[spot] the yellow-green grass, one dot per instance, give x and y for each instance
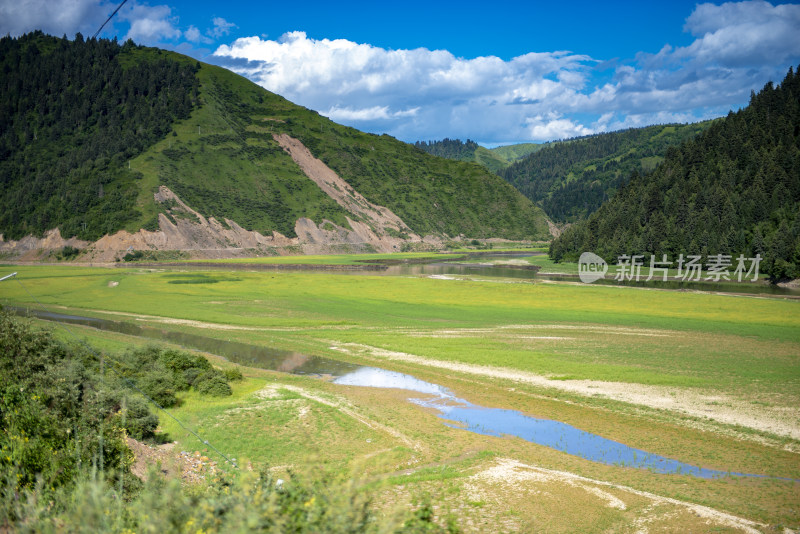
(722, 341)
(272, 431)
(339, 259)
(289, 429)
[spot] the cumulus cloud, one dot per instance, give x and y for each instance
(221, 27)
(417, 94)
(743, 34)
(354, 82)
(57, 17)
(194, 35)
(150, 24)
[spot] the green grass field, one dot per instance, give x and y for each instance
(712, 380)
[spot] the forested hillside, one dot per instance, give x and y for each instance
(495, 159)
(735, 189)
(571, 179)
(91, 129)
(72, 113)
(449, 148)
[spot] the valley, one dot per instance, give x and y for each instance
(709, 380)
(221, 311)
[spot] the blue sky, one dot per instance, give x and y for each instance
(496, 72)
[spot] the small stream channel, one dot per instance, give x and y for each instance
(485, 268)
(457, 412)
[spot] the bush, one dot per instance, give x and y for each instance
(55, 411)
(134, 255)
(68, 252)
(213, 383)
(190, 375)
(181, 361)
(232, 374)
(138, 421)
(160, 387)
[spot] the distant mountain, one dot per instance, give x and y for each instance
(734, 189)
(494, 159)
(96, 138)
(571, 179)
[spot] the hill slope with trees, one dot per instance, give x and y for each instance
(90, 129)
(734, 189)
(571, 179)
(494, 159)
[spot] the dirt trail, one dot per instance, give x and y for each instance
(517, 475)
(717, 407)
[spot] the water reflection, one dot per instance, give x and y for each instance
(499, 422)
(241, 353)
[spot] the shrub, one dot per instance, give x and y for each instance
(138, 421)
(180, 361)
(68, 252)
(213, 383)
(233, 373)
(134, 255)
(190, 375)
(53, 407)
(160, 387)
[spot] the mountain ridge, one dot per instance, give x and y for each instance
(222, 157)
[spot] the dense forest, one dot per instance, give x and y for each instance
(72, 113)
(449, 148)
(494, 159)
(734, 189)
(571, 179)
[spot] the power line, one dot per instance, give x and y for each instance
(109, 18)
(127, 380)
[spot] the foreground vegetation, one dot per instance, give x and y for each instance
(65, 462)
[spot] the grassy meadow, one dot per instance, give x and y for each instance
(710, 380)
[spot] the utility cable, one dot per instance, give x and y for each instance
(109, 18)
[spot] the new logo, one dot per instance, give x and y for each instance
(591, 267)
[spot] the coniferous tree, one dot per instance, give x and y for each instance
(734, 189)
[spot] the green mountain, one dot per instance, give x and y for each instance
(571, 179)
(494, 159)
(734, 189)
(91, 134)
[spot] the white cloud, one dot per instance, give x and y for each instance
(57, 17)
(743, 34)
(221, 27)
(150, 24)
(538, 96)
(193, 34)
(555, 128)
(398, 89)
(367, 114)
